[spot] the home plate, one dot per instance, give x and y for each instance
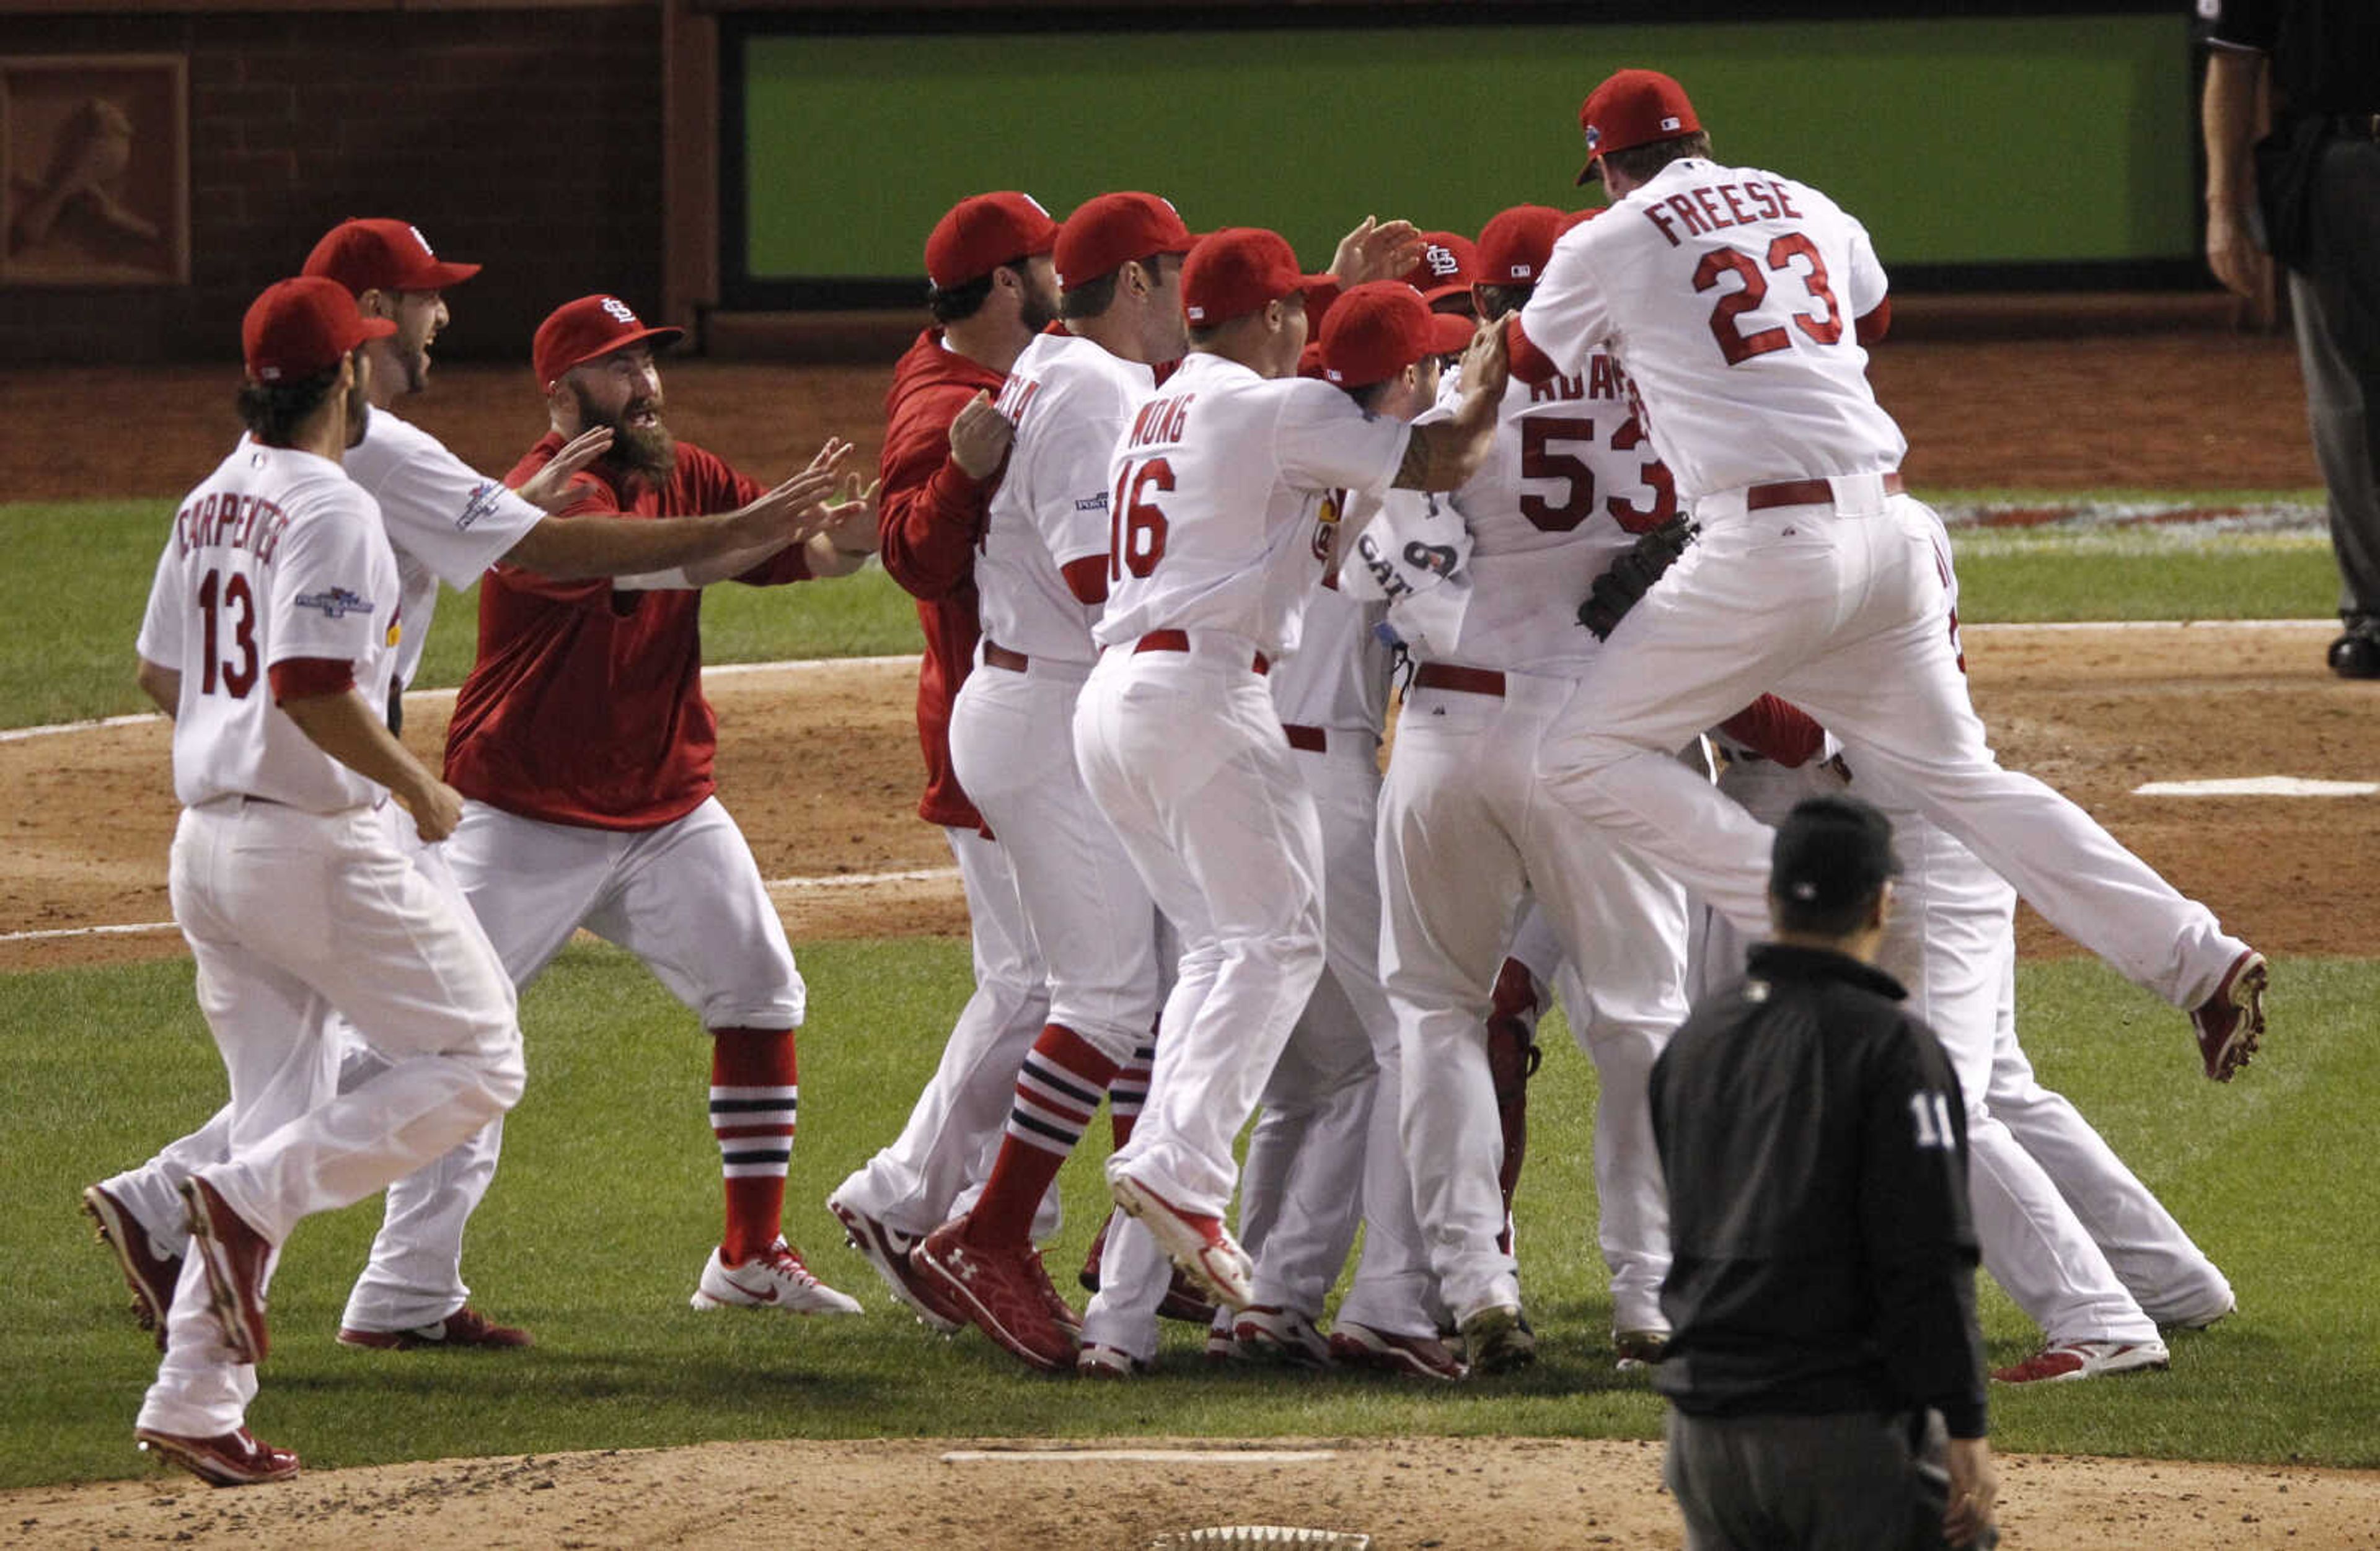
(2258, 786)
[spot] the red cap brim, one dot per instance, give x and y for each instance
(1591, 173)
(438, 275)
(1449, 335)
(662, 334)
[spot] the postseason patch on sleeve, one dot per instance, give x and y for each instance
(336, 602)
(482, 501)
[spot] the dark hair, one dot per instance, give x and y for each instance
(1495, 302)
(1095, 296)
(274, 411)
(956, 304)
(1640, 161)
(1367, 397)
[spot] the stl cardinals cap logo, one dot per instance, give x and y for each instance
(620, 311)
(1441, 259)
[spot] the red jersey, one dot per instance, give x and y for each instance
(586, 704)
(929, 515)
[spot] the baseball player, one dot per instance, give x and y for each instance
(445, 521)
(1952, 943)
(1212, 509)
(993, 290)
(1445, 272)
(1737, 301)
(1040, 576)
(271, 640)
(1326, 1153)
(1466, 832)
(583, 746)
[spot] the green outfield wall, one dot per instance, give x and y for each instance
(2039, 141)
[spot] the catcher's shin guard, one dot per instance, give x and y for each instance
(1512, 1057)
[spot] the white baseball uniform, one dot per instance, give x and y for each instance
(1467, 831)
(1011, 739)
(1211, 505)
(1729, 295)
(288, 881)
(446, 521)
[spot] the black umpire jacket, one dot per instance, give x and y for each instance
(1823, 1255)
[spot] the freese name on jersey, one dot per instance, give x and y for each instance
(1741, 288)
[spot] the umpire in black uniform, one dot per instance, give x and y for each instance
(2314, 181)
(1821, 1292)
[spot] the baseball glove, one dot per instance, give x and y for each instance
(1632, 575)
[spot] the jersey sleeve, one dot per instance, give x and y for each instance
(1323, 439)
(331, 600)
(589, 498)
(448, 516)
(928, 511)
(1070, 481)
(1565, 317)
(160, 624)
(1864, 288)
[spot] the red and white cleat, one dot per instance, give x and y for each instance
(776, 1280)
(2070, 1361)
(1198, 1244)
(235, 1258)
(149, 1275)
(886, 1249)
(1361, 1346)
(1004, 1292)
(238, 1459)
(2231, 1022)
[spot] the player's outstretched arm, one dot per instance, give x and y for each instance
(351, 732)
(576, 547)
(549, 489)
(1443, 454)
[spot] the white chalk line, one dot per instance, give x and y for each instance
(1140, 1456)
(440, 697)
(822, 880)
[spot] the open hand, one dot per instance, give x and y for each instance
(1375, 250)
(549, 488)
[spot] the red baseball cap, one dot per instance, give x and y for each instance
(1236, 270)
(1376, 331)
(1632, 108)
(300, 328)
(1516, 244)
(382, 256)
(1447, 265)
(578, 331)
(1109, 232)
(978, 235)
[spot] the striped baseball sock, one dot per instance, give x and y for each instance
(1057, 1094)
(753, 1098)
(1128, 1095)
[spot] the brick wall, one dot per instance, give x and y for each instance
(528, 142)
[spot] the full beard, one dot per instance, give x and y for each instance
(644, 448)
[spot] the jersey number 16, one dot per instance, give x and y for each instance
(1135, 523)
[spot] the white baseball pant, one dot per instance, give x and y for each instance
(1466, 828)
(1182, 751)
(1012, 744)
(294, 918)
(1844, 609)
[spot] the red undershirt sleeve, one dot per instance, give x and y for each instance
(306, 678)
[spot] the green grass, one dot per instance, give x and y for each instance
(608, 1201)
(82, 573)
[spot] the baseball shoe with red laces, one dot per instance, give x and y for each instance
(467, 1327)
(1100, 1361)
(237, 1458)
(1284, 1336)
(1361, 1346)
(2229, 1023)
(235, 1258)
(1198, 1244)
(1059, 1310)
(776, 1278)
(149, 1275)
(2069, 1361)
(1005, 1293)
(886, 1249)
